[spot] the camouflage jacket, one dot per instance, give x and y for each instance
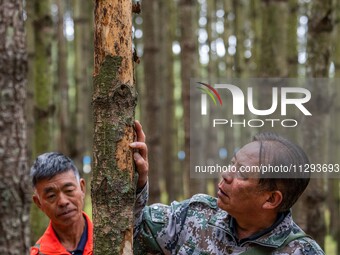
(197, 226)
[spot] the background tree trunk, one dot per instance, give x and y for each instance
(43, 109)
(83, 66)
(273, 61)
(189, 62)
(114, 100)
(316, 130)
(65, 143)
(152, 89)
(14, 172)
(334, 198)
(273, 56)
(166, 12)
(292, 47)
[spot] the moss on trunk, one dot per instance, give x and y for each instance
(113, 189)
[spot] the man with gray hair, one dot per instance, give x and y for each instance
(59, 192)
(250, 215)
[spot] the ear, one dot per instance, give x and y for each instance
(83, 185)
(36, 200)
(274, 199)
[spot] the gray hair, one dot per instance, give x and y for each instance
(50, 164)
(278, 151)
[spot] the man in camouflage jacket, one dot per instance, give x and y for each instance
(251, 214)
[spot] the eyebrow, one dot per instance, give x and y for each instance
(66, 185)
(48, 189)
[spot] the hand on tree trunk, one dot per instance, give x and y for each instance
(140, 156)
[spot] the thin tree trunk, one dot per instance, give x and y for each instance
(114, 101)
(83, 67)
(30, 79)
(189, 62)
(273, 61)
(335, 139)
(43, 109)
(316, 130)
(273, 55)
(255, 20)
(152, 86)
(168, 112)
(227, 6)
(292, 51)
(239, 10)
(14, 172)
(64, 140)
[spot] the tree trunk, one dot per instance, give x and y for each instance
(255, 20)
(64, 139)
(114, 100)
(43, 109)
(292, 48)
(273, 61)
(152, 86)
(14, 172)
(238, 25)
(335, 140)
(30, 79)
(168, 112)
(273, 54)
(188, 42)
(83, 66)
(228, 30)
(316, 130)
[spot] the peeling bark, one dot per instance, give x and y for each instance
(114, 101)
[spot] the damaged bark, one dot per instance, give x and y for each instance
(114, 101)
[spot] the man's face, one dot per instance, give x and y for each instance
(239, 194)
(61, 198)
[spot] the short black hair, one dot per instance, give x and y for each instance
(49, 164)
(276, 150)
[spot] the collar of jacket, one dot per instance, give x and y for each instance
(273, 238)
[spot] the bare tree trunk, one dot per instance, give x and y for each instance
(83, 66)
(14, 172)
(239, 10)
(227, 6)
(30, 79)
(168, 112)
(64, 139)
(188, 41)
(273, 61)
(255, 18)
(316, 132)
(152, 86)
(292, 51)
(114, 101)
(273, 54)
(334, 202)
(43, 109)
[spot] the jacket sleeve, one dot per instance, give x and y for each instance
(140, 203)
(158, 229)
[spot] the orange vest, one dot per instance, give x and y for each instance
(49, 244)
